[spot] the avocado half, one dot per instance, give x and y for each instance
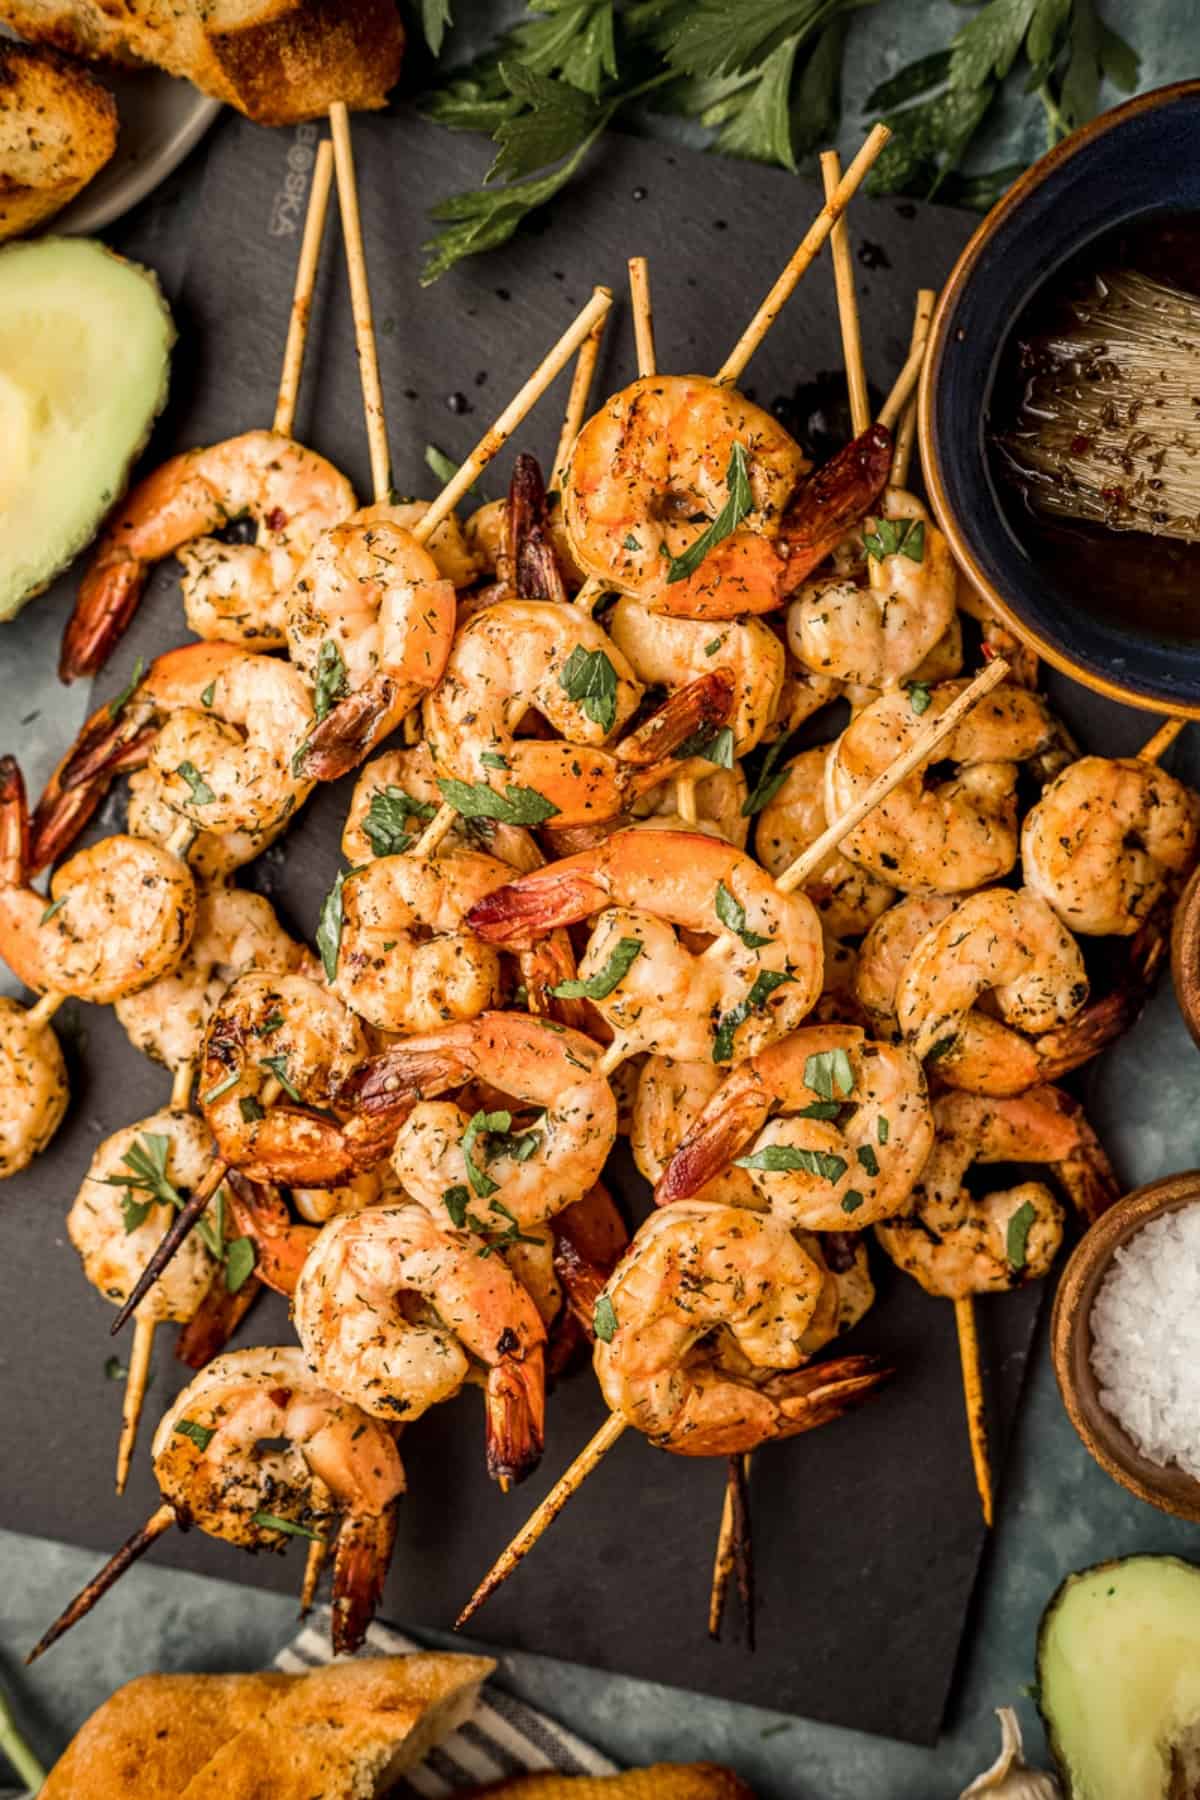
(85, 346)
(1119, 1680)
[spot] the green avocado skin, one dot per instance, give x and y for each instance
(19, 261)
(1057, 1730)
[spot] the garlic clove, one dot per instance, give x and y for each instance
(1010, 1777)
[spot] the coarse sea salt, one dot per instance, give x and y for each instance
(1145, 1324)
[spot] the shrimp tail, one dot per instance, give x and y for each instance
(107, 600)
(537, 574)
(515, 1404)
(1073, 1044)
(380, 1095)
(521, 913)
(14, 824)
(107, 1577)
(545, 966)
(833, 500)
(215, 1320)
(1087, 1177)
(701, 707)
(104, 749)
(815, 1396)
(732, 1118)
(350, 730)
(281, 1246)
(364, 1550)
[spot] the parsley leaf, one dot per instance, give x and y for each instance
(714, 746)
(240, 1259)
(271, 1522)
(896, 537)
(117, 706)
(867, 1157)
(919, 696)
(765, 983)
(329, 926)
(202, 794)
(781, 1158)
(486, 217)
(146, 1163)
(771, 778)
(883, 1129)
(515, 806)
(54, 906)
(1016, 1238)
(279, 1069)
(201, 1435)
(732, 915)
(332, 682)
(445, 468)
(456, 1200)
(386, 824)
(435, 16)
(851, 1200)
(482, 1122)
(589, 678)
(739, 502)
(604, 1319)
(115, 1369)
(829, 1073)
(600, 985)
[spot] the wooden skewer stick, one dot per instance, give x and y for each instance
(318, 1553)
(159, 1521)
(360, 301)
(142, 1353)
(577, 399)
(43, 1010)
(968, 1351)
(906, 431)
(905, 386)
(922, 746)
(591, 1454)
(847, 301)
(1162, 740)
(522, 402)
(733, 1549)
(803, 256)
(306, 277)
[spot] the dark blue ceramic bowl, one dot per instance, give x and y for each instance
(1142, 158)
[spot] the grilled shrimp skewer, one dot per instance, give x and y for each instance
(254, 1452)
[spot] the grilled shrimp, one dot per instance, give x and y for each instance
(120, 914)
(720, 796)
(886, 951)
(523, 656)
(651, 470)
(709, 1309)
(669, 1098)
(212, 856)
(289, 1030)
(878, 636)
(370, 621)
(955, 1244)
(835, 1130)
(363, 1338)
(407, 961)
(938, 835)
(33, 1087)
(396, 796)
(526, 1175)
(848, 898)
(758, 977)
(235, 931)
(217, 726)
(254, 1445)
(848, 1293)
(668, 652)
(1105, 840)
(448, 545)
(234, 592)
(116, 1228)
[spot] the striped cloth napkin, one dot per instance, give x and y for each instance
(505, 1737)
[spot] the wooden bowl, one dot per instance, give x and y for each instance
(1170, 1489)
(1185, 955)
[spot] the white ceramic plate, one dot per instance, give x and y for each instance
(160, 121)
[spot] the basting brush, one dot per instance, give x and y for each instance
(1109, 427)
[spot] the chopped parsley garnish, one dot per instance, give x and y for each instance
(851, 1200)
(765, 983)
(919, 696)
(270, 1522)
(53, 908)
(491, 759)
(867, 1157)
(332, 682)
(785, 1158)
(456, 1200)
(329, 926)
(146, 1162)
(273, 1022)
(829, 1074)
(279, 1069)
(515, 806)
(481, 1182)
(771, 778)
(882, 1129)
(739, 502)
(600, 985)
(1016, 1238)
(588, 677)
(714, 746)
(240, 1258)
(202, 794)
(604, 1319)
(201, 1435)
(732, 915)
(387, 823)
(896, 537)
(250, 1110)
(117, 707)
(222, 1087)
(115, 1369)
(206, 698)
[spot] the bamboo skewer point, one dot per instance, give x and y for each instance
(360, 300)
(968, 1350)
(134, 1547)
(577, 400)
(136, 1383)
(1162, 740)
(306, 277)
(906, 431)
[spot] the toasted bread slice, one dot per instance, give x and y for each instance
(278, 61)
(665, 1781)
(58, 126)
(345, 1732)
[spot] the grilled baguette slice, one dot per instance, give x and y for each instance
(58, 126)
(665, 1781)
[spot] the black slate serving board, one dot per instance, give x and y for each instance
(868, 1534)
